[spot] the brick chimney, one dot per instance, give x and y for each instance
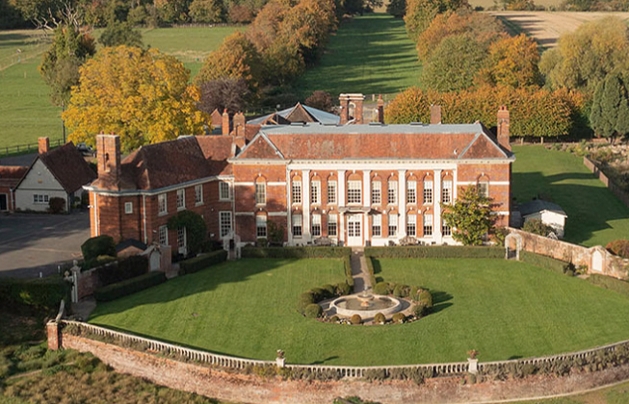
(225, 123)
(349, 102)
(108, 158)
(239, 124)
(43, 145)
(380, 109)
(502, 129)
(435, 114)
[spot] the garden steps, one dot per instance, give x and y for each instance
(360, 274)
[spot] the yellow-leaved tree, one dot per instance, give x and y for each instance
(141, 95)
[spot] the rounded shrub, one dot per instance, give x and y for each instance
(425, 298)
(305, 299)
(343, 289)
(379, 318)
(401, 291)
(356, 319)
(330, 291)
(399, 318)
(419, 310)
(414, 293)
(381, 288)
(318, 294)
(335, 319)
(313, 310)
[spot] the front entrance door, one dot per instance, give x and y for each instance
(3, 202)
(354, 232)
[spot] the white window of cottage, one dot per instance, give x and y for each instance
(225, 223)
(260, 193)
(163, 235)
(261, 226)
(198, 194)
(224, 191)
(162, 204)
(181, 199)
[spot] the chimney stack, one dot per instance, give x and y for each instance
(43, 145)
(239, 124)
(108, 159)
(435, 114)
(225, 124)
(502, 130)
(351, 102)
(380, 108)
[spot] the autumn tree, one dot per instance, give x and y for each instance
(141, 95)
(469, 217)
(120, 33)
(72, 45)
(420, 13)
(585, 57)
(512, 62)
(225, 93)
(397, 8)
(207, 11)
(609, 115)
(321, 100)
(236, 58)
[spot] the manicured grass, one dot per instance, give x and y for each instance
(611, 395)
(370, 54)
(595, 215)
(504, 309)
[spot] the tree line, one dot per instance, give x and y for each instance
(471, 66)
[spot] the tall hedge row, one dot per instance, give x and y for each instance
(296, 252)
(44, 293)
(435, 252)
(203, 261)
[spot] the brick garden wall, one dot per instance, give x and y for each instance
(248, 388)
(615, 189)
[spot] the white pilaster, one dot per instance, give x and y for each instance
(436, 231)
(367, 188)
(401, 199)
(341, 199)
(305, 200)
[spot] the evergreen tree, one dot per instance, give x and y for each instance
(609, 115)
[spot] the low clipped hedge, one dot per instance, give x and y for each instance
(370, 269)
(610, 283)
(41, 293)
(296, 252)
(435, 252)
(127, 268)
(347, 264)
(542, 261)
(203, 261)
(130, 286)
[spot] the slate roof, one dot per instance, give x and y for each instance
(10, 176)
(68, 166)
(298, 113)
(538, 205)
(174, 162)
(332, 142)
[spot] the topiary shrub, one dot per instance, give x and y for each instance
(56, 205)
(335, 319)
(425, 298)
(99, 245)
(619, 248)
(313, 310)
(536, 226)
(401, 291)
(330, 290)
(342, 289)
(305, 299)
(381, 288)
(379, 318)
(356, 319)
(419, 310)
(399, 318)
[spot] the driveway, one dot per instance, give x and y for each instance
(34, 243)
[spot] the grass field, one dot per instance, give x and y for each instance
(371, 54)
(504, 309)
(595, 216)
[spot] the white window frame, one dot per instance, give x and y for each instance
(163, 235)
(392, 225)
(333, 227)
(354, 192)
(446, 230)
(128, 208)
(225, 223)
(296, 191)
(411, 225)
(428, 191)
(376, 226)
(428, 224)
(181, 237)
(198, 194)
(41, 199)
(315, 225)
(297, 225)
(181, 199)
(260, 193)
(392, 192)
(315, 192)
(483, 188)
(411, 192)
(261, 226)
(332, 191)
(376, 192)
(162, 204)
(224, 191)
(446, 191)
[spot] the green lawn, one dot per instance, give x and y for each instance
(595, 215)
(504, 309)
(370, 54)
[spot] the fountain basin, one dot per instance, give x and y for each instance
(349, 305)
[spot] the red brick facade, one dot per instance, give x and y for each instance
(350, 184)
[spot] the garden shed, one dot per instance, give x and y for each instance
(549, 213)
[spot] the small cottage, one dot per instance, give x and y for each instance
(549, 213)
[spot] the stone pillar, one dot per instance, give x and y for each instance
(436, 231)
(76, 271)
(305, 203)
(472, 365)
(401, 202)
(54, 335)
(342, 196)
(366, 188)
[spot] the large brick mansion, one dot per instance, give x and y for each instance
(349, 182)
